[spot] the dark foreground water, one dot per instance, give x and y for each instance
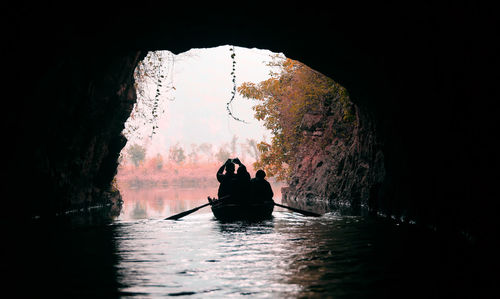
(290, 256)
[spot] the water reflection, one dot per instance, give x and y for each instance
(57, 258)
(156, 203)
(200, 256)
(289, 256)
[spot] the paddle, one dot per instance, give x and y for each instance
(180, 215)
(306, 213)
(185, 213)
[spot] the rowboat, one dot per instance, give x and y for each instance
(227, 209)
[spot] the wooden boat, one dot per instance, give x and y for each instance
(228, 209)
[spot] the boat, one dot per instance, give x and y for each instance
(228, 209)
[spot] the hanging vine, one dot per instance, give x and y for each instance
(233, 92)
(153, 69)
(154, 80)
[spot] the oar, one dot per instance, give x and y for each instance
(306, 213)
(180, 215)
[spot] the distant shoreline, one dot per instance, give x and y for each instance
(137, 182)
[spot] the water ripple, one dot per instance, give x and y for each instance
(287, 257)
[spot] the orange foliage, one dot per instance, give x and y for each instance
(283, 100)
(187, 174)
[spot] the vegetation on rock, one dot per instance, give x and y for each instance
(283, 100)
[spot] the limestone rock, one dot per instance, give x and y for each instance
(339, 162)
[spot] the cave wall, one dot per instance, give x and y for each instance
(425, 73)
(68, 136)
(340, 164)
(76, 153)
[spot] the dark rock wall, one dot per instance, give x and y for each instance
(70, 152)
(340, 162)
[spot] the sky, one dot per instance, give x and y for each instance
(197, 111)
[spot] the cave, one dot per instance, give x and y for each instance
(420, 76)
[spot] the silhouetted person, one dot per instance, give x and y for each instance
(261, 189)
(242, 181)
(227, 180)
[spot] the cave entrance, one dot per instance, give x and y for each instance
(196, 109)
(187, 121)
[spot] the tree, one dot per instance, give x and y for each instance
(222, 155)
(252, 149)
(206, 149)
(176, 154)
(193, 154)
(137, 153)
(157, 162)
(283, 100)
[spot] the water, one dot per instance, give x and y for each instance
(290, 256)
(284, 257)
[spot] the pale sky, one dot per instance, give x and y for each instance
(203, 84)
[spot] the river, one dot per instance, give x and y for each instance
(138, 254)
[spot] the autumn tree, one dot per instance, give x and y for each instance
(136, 153)
(176, 154)
(157, 162)
(283, 100)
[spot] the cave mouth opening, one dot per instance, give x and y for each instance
(196, 109)
(188, 119)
